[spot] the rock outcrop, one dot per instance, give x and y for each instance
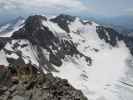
(40, 87)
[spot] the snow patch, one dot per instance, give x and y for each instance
(3, 60)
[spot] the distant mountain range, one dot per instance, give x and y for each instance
(7, 28)
(122, 24)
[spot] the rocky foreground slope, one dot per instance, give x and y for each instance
(39, 86)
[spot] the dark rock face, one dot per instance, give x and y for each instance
(35, 32)
(40, 87)
(113, 37)
(34, 23)
(63, 21)
(129, 43)
(3, 42)
(108, 34)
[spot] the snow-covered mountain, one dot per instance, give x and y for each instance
(93, 58)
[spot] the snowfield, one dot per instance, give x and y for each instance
(103, 79)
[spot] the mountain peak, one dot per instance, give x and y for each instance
(67, 17)
(20, 17)
(63, 20)
(34, 22)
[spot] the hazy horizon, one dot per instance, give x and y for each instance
(10, 9)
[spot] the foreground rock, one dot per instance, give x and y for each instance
(39, 87)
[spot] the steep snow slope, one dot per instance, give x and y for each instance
(54, 28)
(94, 59)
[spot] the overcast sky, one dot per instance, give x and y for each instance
(11, 8)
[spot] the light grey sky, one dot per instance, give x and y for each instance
(111, 7)
(108, 8)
